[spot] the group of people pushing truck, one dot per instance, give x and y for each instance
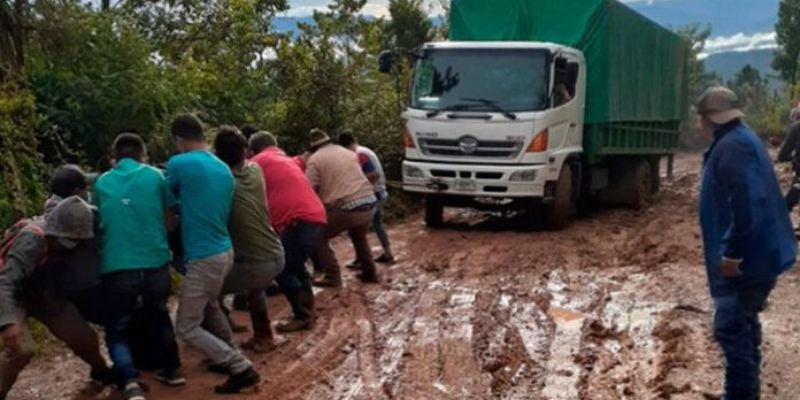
(247, 216)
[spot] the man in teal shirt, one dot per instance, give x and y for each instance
(135, 201)
(204, 185)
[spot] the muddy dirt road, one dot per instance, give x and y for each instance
(615, 307)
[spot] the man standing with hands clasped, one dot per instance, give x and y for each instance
(747, 235)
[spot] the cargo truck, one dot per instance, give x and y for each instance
(542, 105)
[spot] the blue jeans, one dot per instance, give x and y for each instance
(377, 222)
(123, 291)
(738, 331)
(299, 241)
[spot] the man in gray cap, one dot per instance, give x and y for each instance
(747, 236)
(32, 275)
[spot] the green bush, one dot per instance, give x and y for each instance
(23, 174)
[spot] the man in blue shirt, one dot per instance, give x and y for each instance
(204, 186)
(747, 235)
(135, 205)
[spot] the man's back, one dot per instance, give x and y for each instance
(253, 238)
(132, 199)
(290, 196)
(742, 211)
(336, 171)
(204, 186)
(380, 184)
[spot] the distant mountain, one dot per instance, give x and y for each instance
(728, 64)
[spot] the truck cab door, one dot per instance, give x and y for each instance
(566, 105)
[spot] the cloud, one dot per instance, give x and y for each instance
(304, 11)
(741, 42)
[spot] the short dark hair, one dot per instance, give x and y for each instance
(188, 127)
(249, 130)
(346, 139)
(230, 145)
(129, 145)
(68, 180)
(262, 140)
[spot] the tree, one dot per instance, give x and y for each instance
(699, 79)
(13, 31)
(788, 32)
(410, 25)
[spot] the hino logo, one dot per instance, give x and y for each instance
(468, 144)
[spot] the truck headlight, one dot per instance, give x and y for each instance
(528, 175)
(412, 172)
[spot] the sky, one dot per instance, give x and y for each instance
(727, 34)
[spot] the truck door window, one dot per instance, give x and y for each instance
(566, 80)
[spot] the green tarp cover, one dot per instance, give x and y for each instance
(636, 69)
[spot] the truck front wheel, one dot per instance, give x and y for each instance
(558, 213)
(434, 212)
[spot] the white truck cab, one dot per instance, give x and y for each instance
(492, 122)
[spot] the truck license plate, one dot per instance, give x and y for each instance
(466, 185)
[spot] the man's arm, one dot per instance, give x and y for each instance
(368, 168)
(741, 177)
(789, 146)
(28, 250)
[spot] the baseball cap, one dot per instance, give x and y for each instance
(720, 105)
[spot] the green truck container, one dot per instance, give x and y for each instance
(637, 81)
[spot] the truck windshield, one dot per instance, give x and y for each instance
(512, 80)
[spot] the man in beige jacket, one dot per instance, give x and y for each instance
(349, 200)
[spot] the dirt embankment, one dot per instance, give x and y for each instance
(614, 307)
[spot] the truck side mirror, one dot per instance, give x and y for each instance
(386, 61)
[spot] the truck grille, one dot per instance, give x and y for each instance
(485, 148)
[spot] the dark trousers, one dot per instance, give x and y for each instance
(793, 195)
(299, 241)
(737, 329)
(67, 324)
(124, 290)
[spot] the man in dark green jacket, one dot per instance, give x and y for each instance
(258, 252)
(32, 285)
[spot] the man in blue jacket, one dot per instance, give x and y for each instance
(747, 235)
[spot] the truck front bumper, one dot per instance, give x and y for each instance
(475, 180)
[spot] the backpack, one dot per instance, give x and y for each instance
(11, 234)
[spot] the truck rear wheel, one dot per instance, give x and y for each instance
(434, 212)
(559, 213)
(655, 171)
(642, 190)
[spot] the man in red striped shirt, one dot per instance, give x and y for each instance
(299, 218)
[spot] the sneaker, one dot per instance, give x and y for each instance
(218, 369)
(368, 278)
(170, 377)
(133, 391)
(385, 259)
(295, 325)
(328, 282)
(237, 382)
(103, 377)
(261, 346)
(355, 265)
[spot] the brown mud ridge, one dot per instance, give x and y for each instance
(614, 307)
